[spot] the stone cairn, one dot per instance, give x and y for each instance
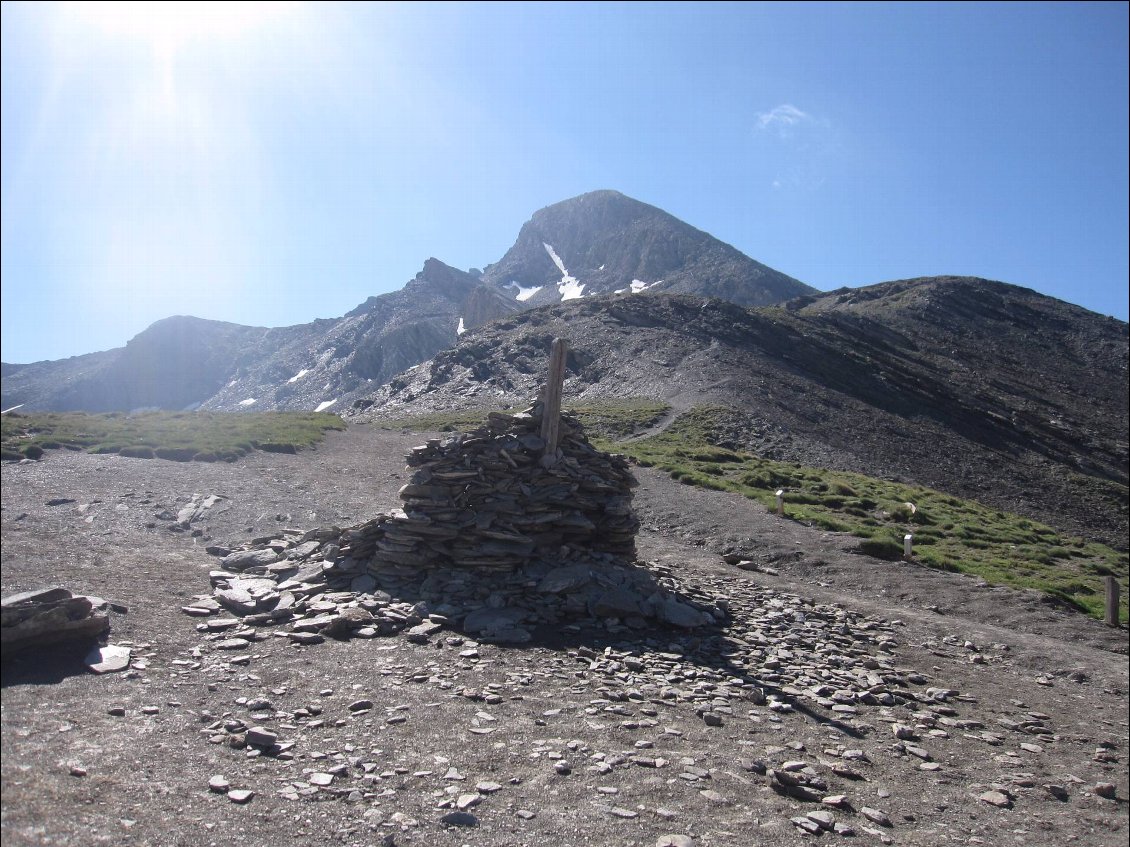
(499, 533)
(490, 501)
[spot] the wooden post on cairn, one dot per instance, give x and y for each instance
(551, 405)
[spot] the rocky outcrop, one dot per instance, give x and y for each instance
(48, 616)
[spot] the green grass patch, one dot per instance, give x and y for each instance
(177, 436)
(463, 420)
(950, 533)
(614, 419)
(617, 419)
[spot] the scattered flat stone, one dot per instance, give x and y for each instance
(674, 839)
(825, 819)
(806, 824)
(1105, 789)
(305, 637)
(245, 559)
(219, 784)
(459, 819)
(996, 798)
(232, 644)
(240, 796)
(320, 779)
(875, 816)
(487, 787)
(260, 736)
(1057, 791)
(109, 659)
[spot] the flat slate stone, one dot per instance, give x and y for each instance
(459, 819)
(108, 659)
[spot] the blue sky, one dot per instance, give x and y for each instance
(271, 164)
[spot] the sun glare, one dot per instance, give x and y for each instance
(166, 25)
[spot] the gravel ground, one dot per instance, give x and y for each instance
(1009, 724)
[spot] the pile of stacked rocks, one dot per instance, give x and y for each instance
(497, 536)
(50, 615)
(494, 500)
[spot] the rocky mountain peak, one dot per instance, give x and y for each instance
(604, 242)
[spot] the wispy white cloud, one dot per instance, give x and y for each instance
(786, 120)
(783, 117)
(798, 144)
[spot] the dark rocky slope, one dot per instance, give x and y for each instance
(974, 387)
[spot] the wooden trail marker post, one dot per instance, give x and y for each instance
(551, 411)
(1111, 601)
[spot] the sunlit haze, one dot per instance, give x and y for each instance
(273, 163)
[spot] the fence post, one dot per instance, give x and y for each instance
(908, 547)
(780, 502)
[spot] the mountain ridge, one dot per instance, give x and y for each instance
(319, 364)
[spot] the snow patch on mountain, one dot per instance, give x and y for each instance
(325, 405)
(569, 288)
(250, 401)
(299, 375)
(637, 286)
(524, 293)
(459, 330)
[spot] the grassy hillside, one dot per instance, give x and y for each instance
(180, 436)
(950, 533)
